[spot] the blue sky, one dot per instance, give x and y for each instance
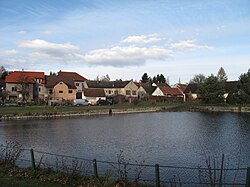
(125, 39)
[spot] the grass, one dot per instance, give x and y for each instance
(12, 181)
(43, 110)
(50, 110)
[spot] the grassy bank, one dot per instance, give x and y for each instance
(60, 111)
(63, 110)
(11, 176)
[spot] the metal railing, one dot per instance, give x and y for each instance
(154, 174)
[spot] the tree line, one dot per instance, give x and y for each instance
(211, 89)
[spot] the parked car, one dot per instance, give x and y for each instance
(103, 102)
(78, 102)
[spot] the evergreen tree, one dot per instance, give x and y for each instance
(162, 79)
(211, 90)
(243, 93)
(145, 78)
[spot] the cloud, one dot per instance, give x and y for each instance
(8, 52)
(144, 39)
(117, 56)
(188, 45)
(21, 32)
(44, 49)
(47, 32)
(123, 56)
(42, 45)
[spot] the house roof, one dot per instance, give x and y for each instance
(107, 84)
(182, 87)
(162, 84)
(51, 81)
(24, 76)
(191, 88)
(146, 86)
(74, 75)
(230, 86)
(170, 91)
(94, 92)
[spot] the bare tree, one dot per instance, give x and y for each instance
(24, 87)
(3, 96)
(221, 75)
(105, 78)
(199, 78)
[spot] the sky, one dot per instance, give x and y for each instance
(125, 39)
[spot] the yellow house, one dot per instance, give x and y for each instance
(60, 88)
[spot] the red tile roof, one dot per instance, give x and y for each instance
(24, 76)
(75, 75)
(170, 91)
(182, 87)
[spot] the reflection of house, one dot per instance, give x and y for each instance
(113, 88)
(94, 94)
(24, 85)
(168, 92)
(60, 88)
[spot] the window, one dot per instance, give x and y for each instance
(14, 89)
(77, 84)
(50, 91)
(70, 91)
(133, 92)
(109, 91)
(116, 92)
(60, 91)
(60, 82)
(39, 89)
(128, 92)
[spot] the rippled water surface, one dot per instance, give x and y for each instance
(168, 138)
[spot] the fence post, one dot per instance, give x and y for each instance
(248, 177)
(157, 175)
(32, 159)
(95, 169)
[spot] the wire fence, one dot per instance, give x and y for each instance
(140, 173)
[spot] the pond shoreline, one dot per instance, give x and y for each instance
(111, 111)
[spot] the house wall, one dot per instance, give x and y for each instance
(157, 92)
(112, 91)
(17, 95)
(141, 92)
(62, 87)
(79, 86)
(130, 90)
(42, 91)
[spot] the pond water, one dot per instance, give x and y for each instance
(166, 138)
